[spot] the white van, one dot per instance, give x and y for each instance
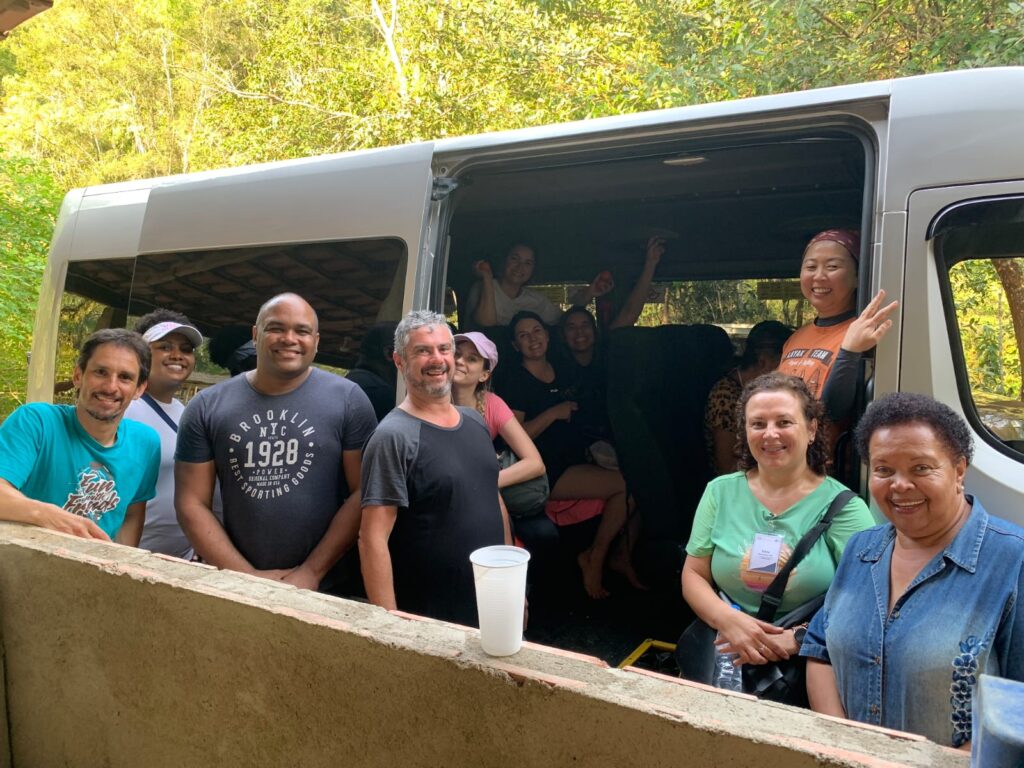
(930, 169)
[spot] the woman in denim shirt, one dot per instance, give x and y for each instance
(919, 607)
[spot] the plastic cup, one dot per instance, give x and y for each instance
(500, 576)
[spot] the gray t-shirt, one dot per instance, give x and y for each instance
(278, 459)
(444, 482)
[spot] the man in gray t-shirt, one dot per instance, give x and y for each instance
(430, 486)
(284, 440)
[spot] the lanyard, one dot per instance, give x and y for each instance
(148, 399)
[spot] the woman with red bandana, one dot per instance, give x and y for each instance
(826, 353)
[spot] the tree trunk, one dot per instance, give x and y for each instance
(1011, 275)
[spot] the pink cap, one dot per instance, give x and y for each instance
(848, 238)
(483, 345)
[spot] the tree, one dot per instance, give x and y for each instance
(28, 207)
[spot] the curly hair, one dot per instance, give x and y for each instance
(899, 408)
(813, 410)
(418, 318)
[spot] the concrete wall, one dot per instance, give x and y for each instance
(114, 657)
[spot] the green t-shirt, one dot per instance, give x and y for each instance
(728, 538)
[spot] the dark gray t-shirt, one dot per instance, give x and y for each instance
(278, 459)
(444, 482)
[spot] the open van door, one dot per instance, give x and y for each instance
(963, 325)
(345, 231)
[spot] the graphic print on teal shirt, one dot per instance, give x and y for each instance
(95, 493)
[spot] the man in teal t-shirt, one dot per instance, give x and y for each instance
(83, 469)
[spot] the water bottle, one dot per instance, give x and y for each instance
(727, 676)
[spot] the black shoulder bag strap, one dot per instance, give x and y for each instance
(148, 400)
(772, 597)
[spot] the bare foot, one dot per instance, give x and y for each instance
(622, 564)
(592, 573)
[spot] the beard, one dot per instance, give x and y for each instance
(103, 416)
(424, 385)
(439, 390)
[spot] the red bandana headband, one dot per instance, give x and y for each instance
(848, 238)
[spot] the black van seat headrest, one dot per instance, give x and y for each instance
(658, 383)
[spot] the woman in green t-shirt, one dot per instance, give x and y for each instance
(748, 522)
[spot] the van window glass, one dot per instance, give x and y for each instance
(982, 245)
(352, 285)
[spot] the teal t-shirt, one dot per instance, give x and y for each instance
(728, 518)
(47, 455)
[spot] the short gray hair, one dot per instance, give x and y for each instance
(418, 318)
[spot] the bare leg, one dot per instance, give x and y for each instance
(584, 481)
(622, 558)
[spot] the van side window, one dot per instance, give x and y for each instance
(982, 245)
(354, 285)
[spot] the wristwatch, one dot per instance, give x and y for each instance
(799, 632)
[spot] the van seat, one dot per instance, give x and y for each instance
(658, 383)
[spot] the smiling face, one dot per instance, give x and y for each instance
(518, 267)
(286, 338)
(578, 329)
(108, 384)
(828, 278)
(915, 480)
(531, 339)
(469, 365)
(777, 430)
(174, 359)
(428, 362)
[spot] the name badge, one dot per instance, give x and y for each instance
(764, 553)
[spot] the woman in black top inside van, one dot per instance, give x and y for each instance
(585, 369)
(535, 392)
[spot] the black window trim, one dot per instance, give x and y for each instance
(963, 384)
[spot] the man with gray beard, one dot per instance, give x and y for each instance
(430, 486)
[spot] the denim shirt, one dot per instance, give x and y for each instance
(915, 669)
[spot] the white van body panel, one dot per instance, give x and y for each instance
(310, 200)
(954, 128)
(741, 113)
(997, 479)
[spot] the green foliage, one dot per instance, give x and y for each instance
(990, 345)
(28, 207)
(726, 49)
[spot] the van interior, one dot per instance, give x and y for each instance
(736, 211)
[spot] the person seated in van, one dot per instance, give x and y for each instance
(232, 348)
(494, 301)
(374, 371)
(534, 391)
(761, 354)
(748, 522)
(585, 349)
(826, 352)
(924, 604)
